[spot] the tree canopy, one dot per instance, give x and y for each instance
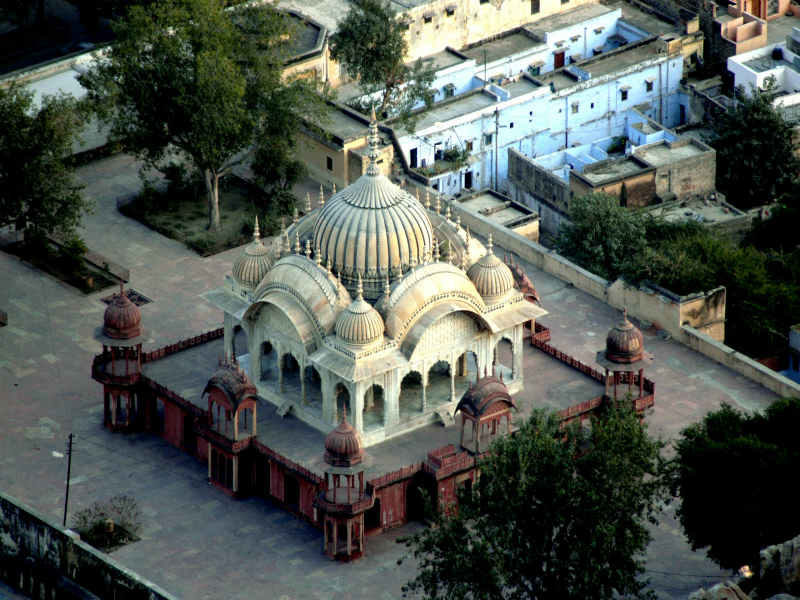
(555, 514)
(370, 44)
(190, 81)
(736, 476)
(601, 235)
(755, 152)
(37, 189)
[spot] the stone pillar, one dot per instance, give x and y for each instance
(302, 367)
(391, 400)
(369, 399)
(236, 426)
(516, 349)
(255, 358)
(235, 463)
(424, 389)
(227, 325)
(209, 462)
(453, 367)
(357, 406)
(280, 369)
(328, 398)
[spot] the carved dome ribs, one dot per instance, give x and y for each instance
(372, 229)
(491, 276)
(122, 319)
(253, 264)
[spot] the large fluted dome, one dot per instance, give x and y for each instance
(491, 276)
(252, 264)
(373, 229)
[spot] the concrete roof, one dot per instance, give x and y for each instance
(663, 153)
(698, 210)
(500, 47)
(571, 17)
(445, 111)
(607, 171)
(625, 57)
(442, 60)
(643, 20)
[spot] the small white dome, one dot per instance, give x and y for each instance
(253, 264)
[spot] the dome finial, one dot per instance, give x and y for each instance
(294, 216)
(387, 288)
(624, 314)
(490, 245)
(317, 256)
(286, 247)
(297, 248)
(308, 202)
(468, 238)
(374, 141)
(256, 232)
(438, 204)
(435, 250)
(427, 199)
(333, 191)
(360, 288)
(308, 249)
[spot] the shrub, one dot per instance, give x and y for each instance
(93, 523)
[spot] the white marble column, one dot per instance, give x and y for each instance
(357, 405)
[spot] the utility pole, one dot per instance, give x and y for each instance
(69, 468)
(496, 135)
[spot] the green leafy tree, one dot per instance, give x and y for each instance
(602, 235)
(370, 44)
(38, 191)
(755, 152)
(555, 514)
(736, 476)
(188, 78)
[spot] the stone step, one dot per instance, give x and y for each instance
(284, 408)
(446, 415)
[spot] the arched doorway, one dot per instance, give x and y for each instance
(372, 518)
(290, 374)
(313, 385)
(342, 397)
(240, 348)
(504, 359)
(269, 368)
(466, 372)
(438, 391)
(373, 407)
(410, 401)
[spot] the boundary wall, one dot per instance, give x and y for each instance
(696, 320)
(44, 560)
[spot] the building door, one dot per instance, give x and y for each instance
(558, 59)
(413, 162)
(291, 493)
(468, 180)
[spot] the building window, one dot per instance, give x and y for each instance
(449, 90)
(535, 70)
(484, 1)
(450, 10)
(468, 145)
(648, 86)
(574, 108)
(623, 95)
(564, 1)
(511, 125)
(591, 105)
(535, 7)
(427, 18)
(487, 139)
(329, 162)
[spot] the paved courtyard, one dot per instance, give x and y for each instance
(197, 542)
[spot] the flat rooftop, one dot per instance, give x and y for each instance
(643, 20)
(625, 57)
(611, 170)
(342, 124)
(306, 36)
(500, 47)
(703, 211)
(521, 86)
(442, 60)
(663, 153)
(187, 373)
(447, 110)
(767, 63)
(571, 17)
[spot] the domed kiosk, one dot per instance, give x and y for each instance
(375, 305)
(624, 359)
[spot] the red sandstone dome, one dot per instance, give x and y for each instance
(343, 446)
(483, 394)
(122, 319)
(624, 343)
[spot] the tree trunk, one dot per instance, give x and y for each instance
(212, 189)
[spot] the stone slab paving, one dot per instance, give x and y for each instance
(196, 541)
